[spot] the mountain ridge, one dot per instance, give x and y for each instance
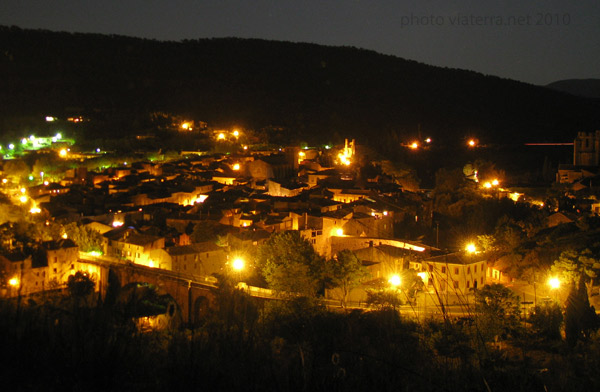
(312, 90)
(588, 88)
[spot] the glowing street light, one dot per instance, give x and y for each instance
(470, 248)
(14, 282)
(471, 143)
(395, 280)
(236, 133)
(23, 199)
(238, 264)
(414, 145)
(495, 182)
(554, 283)
(63, 152)
(339, 232)
(221, 136)
(236, 166)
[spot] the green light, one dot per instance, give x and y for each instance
(30, 177)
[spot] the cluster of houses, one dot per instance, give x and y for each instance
(150, 213)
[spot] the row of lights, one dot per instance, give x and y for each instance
(415, 144)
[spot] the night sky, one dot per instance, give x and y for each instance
(536, 41)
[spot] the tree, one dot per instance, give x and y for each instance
(16, 170)
(345, 271)
(87, 239)
(574, 266)
(290, 264)
(580, 318)
(498, 310)
(411, 284)
(207, 231)
(546, 321)
(384, 299)
(80, 285)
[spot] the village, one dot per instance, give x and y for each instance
(204, 215)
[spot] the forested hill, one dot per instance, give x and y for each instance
(311, 90)
(581, 87)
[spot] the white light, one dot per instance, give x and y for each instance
(238, 264)
(554, 283)
(395, 280)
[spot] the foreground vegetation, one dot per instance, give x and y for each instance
(61, 343)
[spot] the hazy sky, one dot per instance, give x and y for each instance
(536, 41)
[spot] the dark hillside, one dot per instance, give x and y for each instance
(589, 88)
(310, 89)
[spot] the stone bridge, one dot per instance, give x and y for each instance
(193, 295)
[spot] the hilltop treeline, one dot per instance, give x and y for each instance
(308, 89)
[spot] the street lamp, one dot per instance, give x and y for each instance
(395, 280)
(471, 248)
(554, 284)
(238, 264)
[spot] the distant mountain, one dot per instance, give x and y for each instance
(315, 92)
(589, 88)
